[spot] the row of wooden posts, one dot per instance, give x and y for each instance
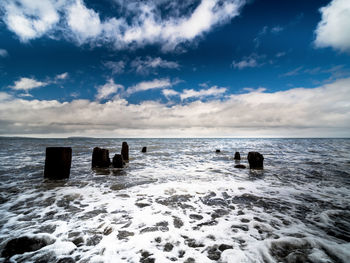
(58, 160)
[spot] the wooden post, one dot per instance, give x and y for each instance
(58, 161)
(144, 149)
(100, 158)
(256, 160)
(125, 151)
(118, 161)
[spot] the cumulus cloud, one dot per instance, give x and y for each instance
(334, 28)
(30, 19)
(149, 85)
(322, 111)
(213, 91)
(26, 84)
(107, 90)
(138, 24)
(3, 53)
(147, 64)
(251, 61)
(84, 23)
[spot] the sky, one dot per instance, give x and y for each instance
(163, 68)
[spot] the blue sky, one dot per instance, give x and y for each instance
(201, 68)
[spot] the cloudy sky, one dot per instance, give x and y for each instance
(163, 68)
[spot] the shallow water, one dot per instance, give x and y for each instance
(180, 201)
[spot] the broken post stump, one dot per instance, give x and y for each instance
(58, 161)
(217, 150)
(125, 151)
(144, 149)
(118, 161)
(237, 156)
(256, 160)
(100, 158)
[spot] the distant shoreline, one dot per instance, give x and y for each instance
(131, 138)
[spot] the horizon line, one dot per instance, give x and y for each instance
(92, 137)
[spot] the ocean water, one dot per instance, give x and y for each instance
(180, 202)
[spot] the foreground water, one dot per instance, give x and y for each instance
(180, 202)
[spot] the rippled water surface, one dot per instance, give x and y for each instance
(180, 202)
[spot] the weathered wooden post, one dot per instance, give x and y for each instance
(100, 158)
(217, 150)
(237, 156)
(118, 161)
(144, 149)
(125, 151)
(256, 160)
(58, 161)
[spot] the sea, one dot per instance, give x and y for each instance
(179, 202)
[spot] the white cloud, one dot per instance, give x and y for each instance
(261, 33)
(144, 66)
(3, 53)
(213, 91)
(302, 112)
(5, 96)
(26, 84)
(249, 89)
(277, 29)
(251, 61)
(148, 85)
(280, 54)
(83, 22)
(30, 19)
(75, 94)
(245, 63)
(117, 67)
(293, 72)
(62, 76)
(139, 24)
(264, 31)
(23, 95)
(169, 92)
(204, 17)
(334, 28)
(105, 91)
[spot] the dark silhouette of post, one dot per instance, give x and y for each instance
(58, 161)
(118, 161)
(256, 160)
(237, 156)
(217, 150)
(100, 158)
(144, 149)
(125, 151)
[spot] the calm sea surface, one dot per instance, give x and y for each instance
(180, 202)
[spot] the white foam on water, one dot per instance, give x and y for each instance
(121, 214)
(180, 208)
